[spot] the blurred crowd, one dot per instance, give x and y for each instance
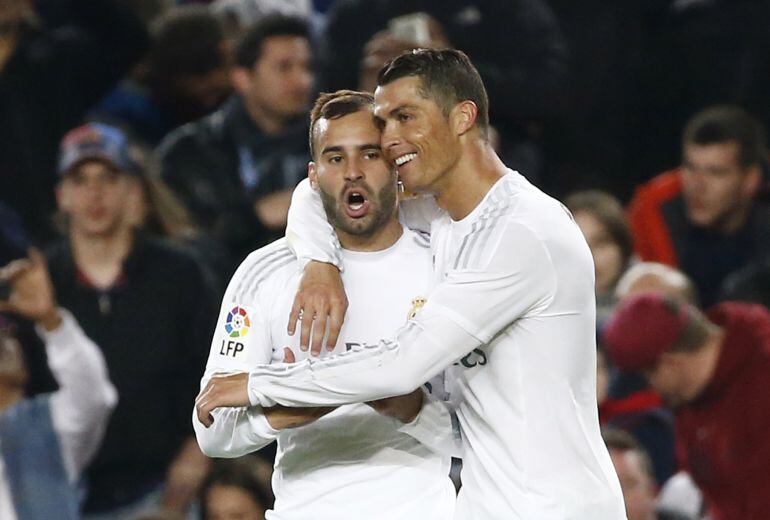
(147, 146)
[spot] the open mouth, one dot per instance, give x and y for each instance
(402, 160)
(356, 203)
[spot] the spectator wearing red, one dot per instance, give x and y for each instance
(704, 217)
(713, 370)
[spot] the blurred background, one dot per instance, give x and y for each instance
(147, 146)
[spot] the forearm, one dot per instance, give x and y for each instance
(81, 406)
(436, 427)
(234, 433)
(367, 374)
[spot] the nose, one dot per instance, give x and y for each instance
(354, 172)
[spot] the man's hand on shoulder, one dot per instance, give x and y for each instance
(320, 298)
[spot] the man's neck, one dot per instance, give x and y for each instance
(464, 187)
(9, 395)
(268, 122)
(101, 257)
(382, 239)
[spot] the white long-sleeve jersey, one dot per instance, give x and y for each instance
(352, 463)
(513, 302)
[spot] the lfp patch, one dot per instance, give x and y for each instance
(237, 324)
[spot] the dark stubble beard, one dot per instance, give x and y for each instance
(382, 207)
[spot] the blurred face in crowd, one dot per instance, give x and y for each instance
(675, 378)
(416, 135)
(13, 373)
(608, 257)
(232, 503)
(637, 485)
(96, 197)
(357, 185)
(196, 96)
(717, 189)
(279, 83)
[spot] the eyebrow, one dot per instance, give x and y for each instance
(399, 108)
(367, 146)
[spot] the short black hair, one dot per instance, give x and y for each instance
(333, 105)
(448, 77)
(187, 41)
(724, 123)
(249, 47)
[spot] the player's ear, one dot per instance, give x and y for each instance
(312, 175)
(463, 116)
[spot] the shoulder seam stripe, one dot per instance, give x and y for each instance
(268, 271)
(264, 261)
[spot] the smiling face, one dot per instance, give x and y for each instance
(416, 134)
(357, 185)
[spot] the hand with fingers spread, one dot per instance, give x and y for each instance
(222, 391)
(32, 294)
(320, 299)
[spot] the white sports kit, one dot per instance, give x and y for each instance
(352, 463)
(513, 308)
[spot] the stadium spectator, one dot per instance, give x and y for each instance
(636, 477)
(48, 79)
(235, 169)
(704, 217)
(631, 404)
(233, 490)
(148, 307)
(517, 46)
(713, 370)
(158, 212)
(184, 77)
(47, 440)
(603, 223)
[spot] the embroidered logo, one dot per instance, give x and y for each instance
(237, 325)
(417, 304)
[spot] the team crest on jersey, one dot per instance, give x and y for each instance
(237, 324)
(417, 304)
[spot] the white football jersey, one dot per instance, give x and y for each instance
(352, 463)
(512, 317)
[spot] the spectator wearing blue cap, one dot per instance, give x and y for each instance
(147, 304)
